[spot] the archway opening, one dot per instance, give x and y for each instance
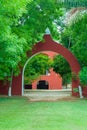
(42, 84)
(55, 80)
(35, 69)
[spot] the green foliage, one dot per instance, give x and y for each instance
(61, 66)
(40, 15)
(74, 37)
(83, 76)
(66, 79)
(37, 66)
(22, 24)
(12, 48)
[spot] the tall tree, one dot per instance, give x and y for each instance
(74, 38)
(12, 48)
(22, 24)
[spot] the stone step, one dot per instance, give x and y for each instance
(47, 94)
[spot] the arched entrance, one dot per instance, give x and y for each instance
(47, 45)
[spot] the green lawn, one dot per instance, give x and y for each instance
(20, 114)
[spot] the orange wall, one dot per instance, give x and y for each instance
(54, 80)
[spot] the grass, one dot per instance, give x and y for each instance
(20, 114)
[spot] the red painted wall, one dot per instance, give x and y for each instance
(3, 88)
(17, 85)
(49, 45)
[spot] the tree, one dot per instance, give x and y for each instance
(74, 37)
(20, 29)
(40, 15)
(12, 48)
(61, 66)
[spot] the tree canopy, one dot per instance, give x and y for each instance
(61, 66)
(74, 37)
(22, 24)
(12, 47)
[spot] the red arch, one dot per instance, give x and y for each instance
(49, 45)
